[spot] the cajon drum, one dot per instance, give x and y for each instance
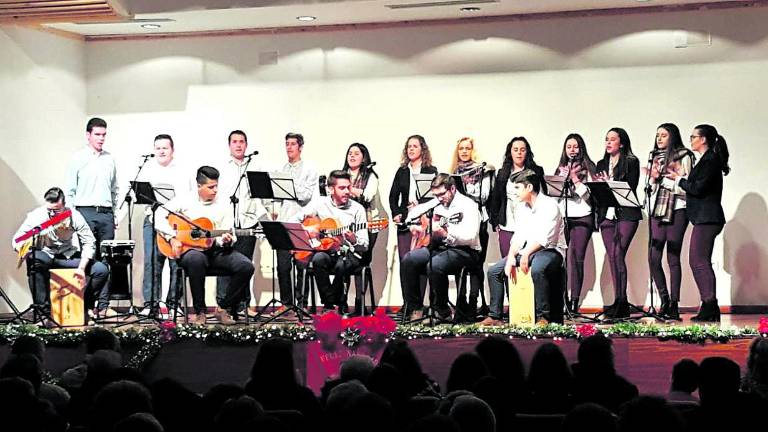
(67, 298)
(521, 300)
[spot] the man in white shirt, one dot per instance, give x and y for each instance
(353, 240)
(537, 246)
(305, 180)
(69, 244)
(221, 257)
(455, 243)
(247, 211)
(169, 180)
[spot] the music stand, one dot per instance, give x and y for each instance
(287, 236)
(616, 194)
(424, 186)
(561, 187)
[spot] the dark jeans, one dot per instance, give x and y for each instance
(174, 290)
(102, 225)
(580, 231)
(476, 276)
(700, 258)
(218, 261)
(504, 238)
(284, 279)
(444, 262)
(546, 267)
(341, 266)
(246, 246)
(671, 235)
(367, 257)
(617, 236)
(40, 277)
(403, 247)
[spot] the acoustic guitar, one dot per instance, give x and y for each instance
(197, 235)
(422, 238)
(25, 241)
(327, 234)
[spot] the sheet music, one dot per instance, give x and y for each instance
(163, 192)
(283, 187)
(623, 193)
(423, 185)
(555, 184)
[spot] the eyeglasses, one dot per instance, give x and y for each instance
(695, 136)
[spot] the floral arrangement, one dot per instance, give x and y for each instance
(763, 326)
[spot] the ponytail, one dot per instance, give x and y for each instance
(717, 144)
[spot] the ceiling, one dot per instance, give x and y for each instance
(124, 18)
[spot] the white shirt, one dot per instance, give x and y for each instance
(172, 176)
(542, 224)
(512, 204)
(249, 210)
(69, 237)
(306, 181)
(578, 203)
(193, 208)
(353, 213)
(465, 232)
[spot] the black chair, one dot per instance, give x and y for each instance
(366, 286)
(183, 278)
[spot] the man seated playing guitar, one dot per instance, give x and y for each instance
(220, 256)
(344, 258)
(455, 243)
(57, 247)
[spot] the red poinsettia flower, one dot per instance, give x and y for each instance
(329, 322)
(586, 330)
(763, 327)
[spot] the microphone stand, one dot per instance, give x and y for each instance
(652, 312)
(234, 199)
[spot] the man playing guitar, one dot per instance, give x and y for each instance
(453, 246)
(345, 259)
(220, 256)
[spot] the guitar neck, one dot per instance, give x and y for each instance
(350, 227)
(237, 232)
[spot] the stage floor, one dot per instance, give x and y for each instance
(645, 361)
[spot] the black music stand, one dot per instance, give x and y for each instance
(287, 236)
(617, 194)
(272, 187)
(561, 187)
(40, 313)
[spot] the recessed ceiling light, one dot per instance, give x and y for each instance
(306, 18)
(151, 26)
(470, 9)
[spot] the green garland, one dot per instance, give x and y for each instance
(150, 340)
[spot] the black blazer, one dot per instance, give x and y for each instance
(401, 186)
(704, 191)
(631, 176)
(497, 206)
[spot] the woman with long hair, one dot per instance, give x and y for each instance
(477, 179)
(704, 193)
(517, 157)
(668, 217)
(365, 190)
(618, 225)
(577, 168)
(415, 159)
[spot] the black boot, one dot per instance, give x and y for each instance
(573, 306)
(610, 310)
(622, 310)
(665, 304)
(709, 312)
(674, 312)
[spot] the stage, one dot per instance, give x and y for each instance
(201, 357)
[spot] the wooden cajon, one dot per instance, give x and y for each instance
(522, 309)
(67, 298)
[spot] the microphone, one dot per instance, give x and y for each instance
(150, 155)
(253, 153)
(370, 165)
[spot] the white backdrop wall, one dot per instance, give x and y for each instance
(541, 79)
(42, 92)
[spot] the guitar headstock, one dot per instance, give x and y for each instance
(378, 224)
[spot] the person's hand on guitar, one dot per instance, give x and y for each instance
(176, 246)
(439, 232)
(227, 239)
(350, 237)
